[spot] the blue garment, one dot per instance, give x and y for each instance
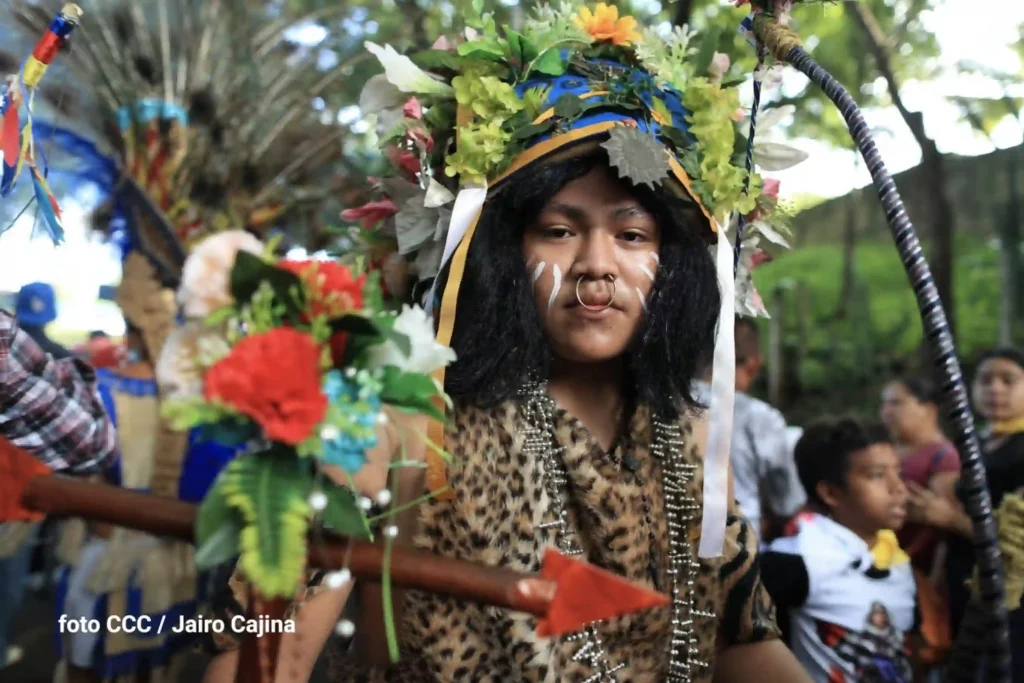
(203, 461)
(13, 573)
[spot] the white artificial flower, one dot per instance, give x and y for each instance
(188, 350)
(425, 356)
(405, 75)
(206, 274)
(379, 94)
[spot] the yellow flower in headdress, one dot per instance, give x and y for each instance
(604, 24)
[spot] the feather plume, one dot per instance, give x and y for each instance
(207, 111)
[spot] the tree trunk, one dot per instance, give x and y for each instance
(1010, 260)
(941, 218)
(849, 260)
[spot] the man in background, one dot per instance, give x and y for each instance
(766, 484)
(51, 418)
(36, 307)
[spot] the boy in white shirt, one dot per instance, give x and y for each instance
(841, 581)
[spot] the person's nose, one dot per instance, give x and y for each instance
(596, 259)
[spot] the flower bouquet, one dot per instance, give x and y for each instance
(300, 361)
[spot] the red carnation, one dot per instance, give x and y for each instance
(274, 378)
(333, 290)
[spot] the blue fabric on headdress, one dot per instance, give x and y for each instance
(88, 166)
(575, 84)
(36, 305)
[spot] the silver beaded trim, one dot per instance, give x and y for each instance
(541, 442)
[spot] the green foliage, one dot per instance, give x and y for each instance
(342, 514)
(271, 493)
(184, 413)
(218, 529)
(410, 392)
(881, 329)
(719, 182)
(272, 292)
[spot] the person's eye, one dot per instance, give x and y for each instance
(556, 232)
(633, 236)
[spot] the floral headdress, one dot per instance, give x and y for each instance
(459, 120)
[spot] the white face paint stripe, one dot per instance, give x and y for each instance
(654, 255)
(554, 289)
(643, 301)
(537, 273)
(647, 272)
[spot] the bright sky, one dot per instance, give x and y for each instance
(980, 31)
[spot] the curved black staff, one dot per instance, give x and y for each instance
(785, 45)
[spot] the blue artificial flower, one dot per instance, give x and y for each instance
(354, 409)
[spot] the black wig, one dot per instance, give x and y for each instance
(498, 335)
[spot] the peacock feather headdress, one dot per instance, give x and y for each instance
(193, 118)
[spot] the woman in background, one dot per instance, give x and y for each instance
(910, 410)
(998, 392)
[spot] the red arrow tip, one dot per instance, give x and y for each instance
(587, 594)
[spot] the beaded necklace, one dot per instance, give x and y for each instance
(680, 509)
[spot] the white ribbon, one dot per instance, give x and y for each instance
(468, 205)
(723, 399)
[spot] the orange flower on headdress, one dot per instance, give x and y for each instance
(604, 23)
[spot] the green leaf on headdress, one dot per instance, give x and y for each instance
(569, 107)
(478, 6)
(484, 48)
(439, 59)
(637, 155)
(661, 111)
(676, 137)
(521, 50)
(532, 130)
(706, 53)
(441, 115)
(549, 63)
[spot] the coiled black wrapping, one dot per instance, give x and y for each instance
(937, 332)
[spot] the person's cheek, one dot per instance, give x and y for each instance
(547, 282)
(643, 269)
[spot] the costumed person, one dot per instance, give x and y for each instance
(148, 114)
(116, 572)
(841, 581)
(998, 390)
(592, 162)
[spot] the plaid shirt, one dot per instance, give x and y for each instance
(50, 408)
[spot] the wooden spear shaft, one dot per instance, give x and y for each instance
(415, 569)
(63, 497)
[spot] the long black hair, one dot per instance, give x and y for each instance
(498, 335)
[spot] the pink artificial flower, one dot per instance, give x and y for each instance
(442, 44)
(719, 65)
(371, 213)
(404, 159)
(771, 187)
(413, 109)
(758, 257)
(422, 138)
